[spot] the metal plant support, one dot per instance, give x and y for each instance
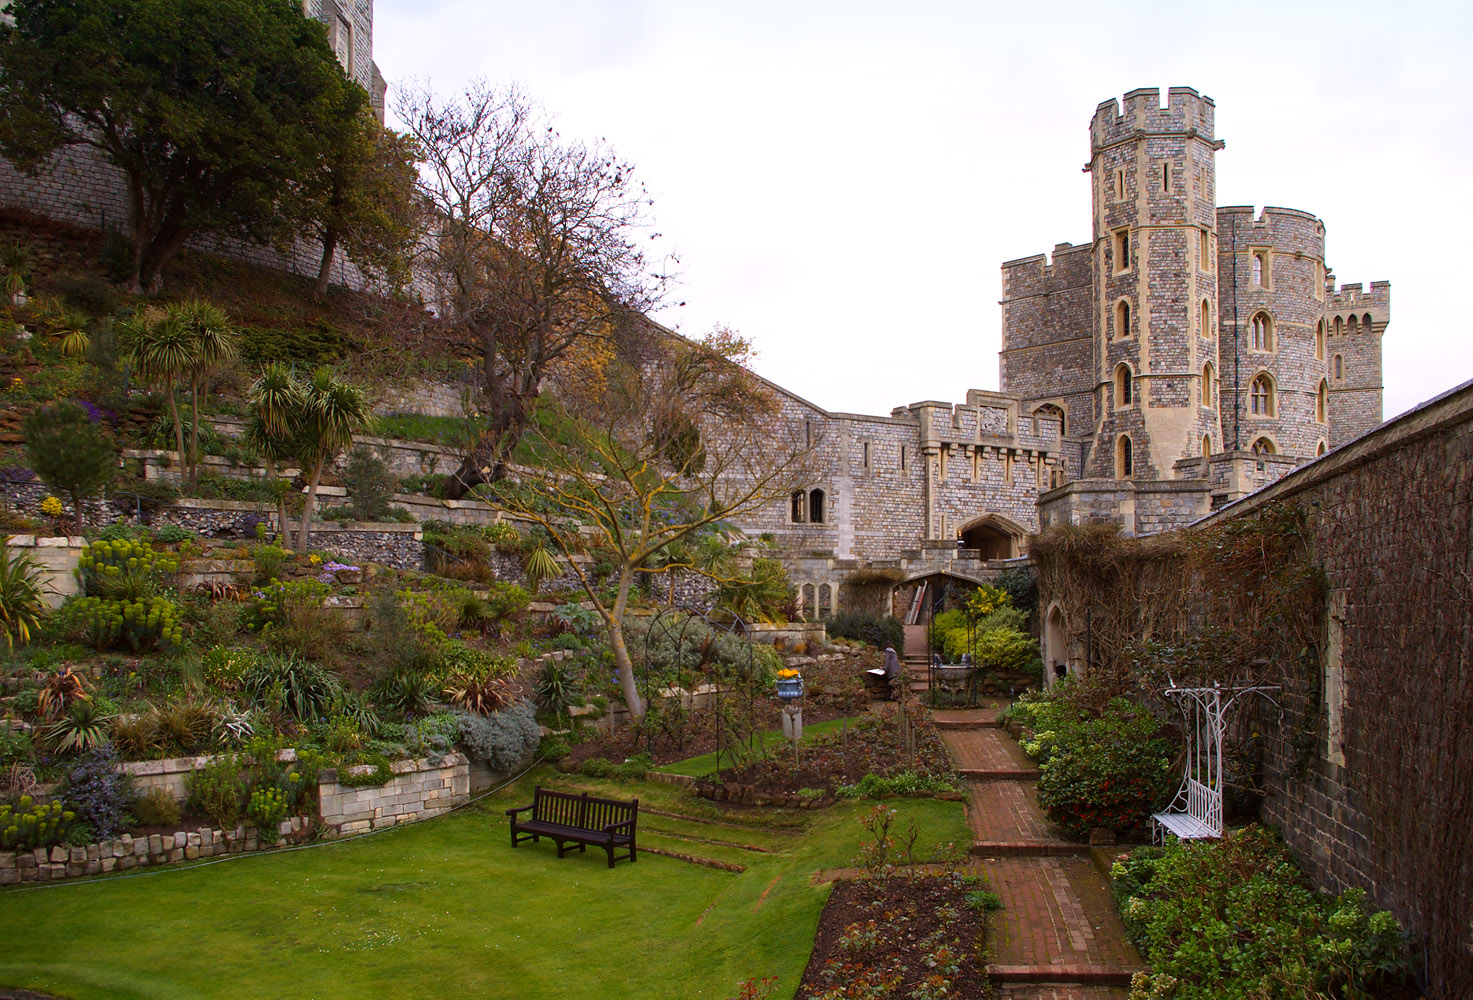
(1196, 810)
(676, 622)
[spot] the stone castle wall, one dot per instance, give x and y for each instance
(1356, 383)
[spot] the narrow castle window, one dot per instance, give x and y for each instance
(1007, 467)
(1319, 340)
(1261, 274)
(1365, 323)
(1123, 386)
(976, 465)
(944, 452)
(800, 507)
(1354, 325)
(1261, 396)
(343, 44)
(1209, 396)
(1207, 330)
(1320, 449)
(1339, 327)
(1122, 250)
(866, 454)
(815, 507)
(1206, 450)
(902, 458)
(1119, 185)
(1339, 371)
(1263, 332)
(1122, 319)
(1263, 446)
(1166, 178)
(1322, 402)
(1124, 459)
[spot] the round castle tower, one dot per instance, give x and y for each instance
(1155, 283)
(1274, 340)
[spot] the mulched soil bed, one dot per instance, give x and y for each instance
(835, 690)
(872, 745)
(915, 933)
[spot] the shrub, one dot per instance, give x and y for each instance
(173, 729)
(553, 749)
(406, 693)
(269, 560)
(877, 630)
(503, 740)
(125, 570)
(267, 808)
(596, 767)
(98, 793)
(84, 727)
(369, 484)
(217, 790)
(276, 601)
(29, 824)
(70, 452)
(290, 684)
(156, 807)
(873, 786)
(1234, 918)
(114, 624)
(173, 534)
(505, 600)
(22, 602)
(1106, 771)
(224, 669)
(556, 688)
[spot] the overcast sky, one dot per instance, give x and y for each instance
(841, 180)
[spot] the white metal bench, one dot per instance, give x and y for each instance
(1195, 814)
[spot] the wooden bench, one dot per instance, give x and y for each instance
(580, 819)
(1195, 814)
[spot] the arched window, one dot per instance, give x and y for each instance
(1209, 387)
(1339, 327)
(815, 507)
(1263, 446)
(1052, 412)
(1206, 449)
(1320, 449)
(1319, 340)
(1122, 319)
(1258, 269)
(1124, 459)
(1365, 322)
(800, 507)
(1263, 332)
(1124, 393)
(1206, 328)
(1322, 402)
(1339, 368)
(1261, 396)
(1353, 327)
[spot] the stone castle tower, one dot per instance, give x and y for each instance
(1186, 343)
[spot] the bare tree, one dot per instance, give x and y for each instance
(681, 439)
(537, 242)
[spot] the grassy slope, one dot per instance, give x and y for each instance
(703, 765)
(446, 908)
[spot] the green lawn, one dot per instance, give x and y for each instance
(698, 767)
(447, 908)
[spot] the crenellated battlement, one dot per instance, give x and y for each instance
(1186, 111)
(1286, 230)
(1352, 299)
(1039, 275)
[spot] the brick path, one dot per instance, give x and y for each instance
(1058, 936)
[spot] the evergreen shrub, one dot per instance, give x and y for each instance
(505, 739)
(877, 630)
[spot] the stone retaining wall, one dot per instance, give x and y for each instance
(57, 558)
(47, 864)
(419, 789)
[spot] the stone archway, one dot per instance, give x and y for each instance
(1055, 644)
(993, 536)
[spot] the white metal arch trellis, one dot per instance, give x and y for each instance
(1196, 811)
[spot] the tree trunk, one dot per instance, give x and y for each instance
(487, 461)
(305, 535)
(77, 509)
(324, 270)
(194, 431)
(615, 623)
(174, 415)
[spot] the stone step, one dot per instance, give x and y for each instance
(1098, 975)
(1000, 773)
(1027, 849)
(966, 724)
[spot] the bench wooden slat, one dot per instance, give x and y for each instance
(581, 819)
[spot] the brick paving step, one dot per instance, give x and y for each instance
(999, 773)
(1057, 975)
(1059, 991)
(1007, 812)
(1058, 922)
(988, 749)
(1027, 849)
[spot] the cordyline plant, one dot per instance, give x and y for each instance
(681, 438)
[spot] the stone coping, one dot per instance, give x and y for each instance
(46, 541)
(413, 765)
